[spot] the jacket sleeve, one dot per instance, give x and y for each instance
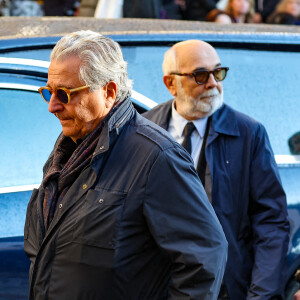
(268, 212)
(184, 225)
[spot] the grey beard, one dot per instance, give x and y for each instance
(197, 108)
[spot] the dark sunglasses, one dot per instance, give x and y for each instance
(202, 76)
(63, 94)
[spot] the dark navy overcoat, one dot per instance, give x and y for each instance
(135, 225)
(248, 199)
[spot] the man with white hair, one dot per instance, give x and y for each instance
(106, 222)
(235, 162)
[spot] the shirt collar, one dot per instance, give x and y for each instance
(179, 123)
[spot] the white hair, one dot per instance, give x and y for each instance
(101, 60)
(170, 63)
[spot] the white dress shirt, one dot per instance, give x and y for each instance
(176, 128)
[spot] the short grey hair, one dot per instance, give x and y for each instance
(101, 60)
(169, 64)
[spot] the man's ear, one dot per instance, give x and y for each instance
(110, 94)
(171, 84)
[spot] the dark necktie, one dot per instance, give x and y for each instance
(201, 167)
(187, 143)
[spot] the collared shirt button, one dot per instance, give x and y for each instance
(84, 186)
(101, 147)
(101, 201)
(60, 205)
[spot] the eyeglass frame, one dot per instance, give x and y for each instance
(194, 74)
(66, 90)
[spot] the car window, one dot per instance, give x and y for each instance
(265, 87)
(28, 132)
(258, 83)
(261, 84)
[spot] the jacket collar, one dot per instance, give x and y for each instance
(161, 114)
(224, 121)
(123, 113)
(114, 124)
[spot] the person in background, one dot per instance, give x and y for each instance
(155, 9)
(218, 16)
(120, 212)
(171, 10)
(235, 162)
(61, 7)
(263, 9)
(297, 295)
(87, 8)
(26, 8)
(287, 12)
(142, 9)
(294, 143)
(4, 8)
(241, 11)
(294, 146)
(196, 10)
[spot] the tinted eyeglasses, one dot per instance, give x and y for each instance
(63, 94)
(202, 76)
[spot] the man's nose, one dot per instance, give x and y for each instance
(54, 104)
(211, 82)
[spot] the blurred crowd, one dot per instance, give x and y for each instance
(220, 11)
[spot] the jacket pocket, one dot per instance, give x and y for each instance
(98, 218)
(29, 213)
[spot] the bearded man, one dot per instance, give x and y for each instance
(235, 162)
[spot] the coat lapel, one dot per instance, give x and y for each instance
(160, 114)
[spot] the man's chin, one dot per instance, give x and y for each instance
(67, 131)
(214, 105)
(194, 115)
(204, 112)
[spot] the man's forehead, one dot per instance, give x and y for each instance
(66, 64)
(198, 61)
(197, 56)
(64, 73)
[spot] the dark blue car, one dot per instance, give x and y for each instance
(263, 82)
